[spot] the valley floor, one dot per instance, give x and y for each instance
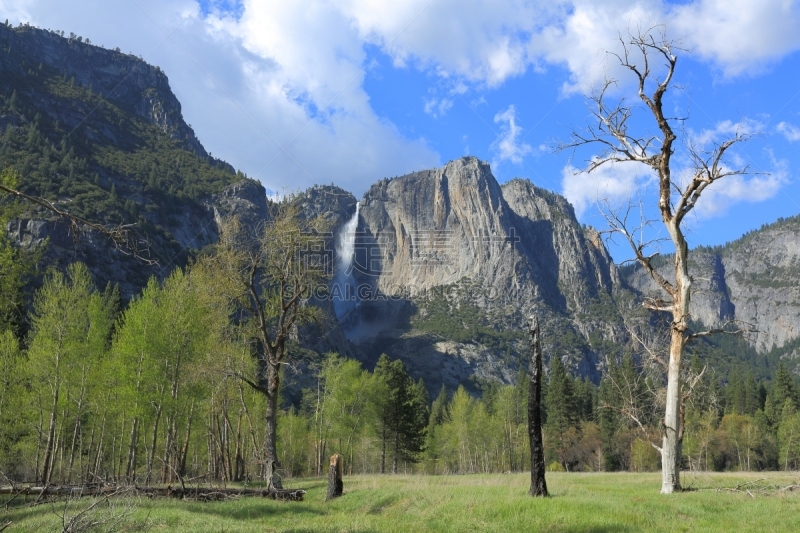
(596, 502)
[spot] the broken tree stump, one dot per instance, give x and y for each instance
(335, 484)
(538, 484)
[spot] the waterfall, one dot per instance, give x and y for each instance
(343, 289)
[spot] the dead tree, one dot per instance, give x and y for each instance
(335, 484)
(677, 197)
(538, 484)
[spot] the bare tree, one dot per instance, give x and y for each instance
(538, 482)
(611, 129)
(270, 273)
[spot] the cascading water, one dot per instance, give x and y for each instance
(343, 290)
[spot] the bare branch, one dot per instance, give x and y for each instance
(724, 330)
(125, 241)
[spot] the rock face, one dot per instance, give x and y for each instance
(755, 279)
(191, 228)
(100, 134)
(448, 263)
(509, 249)
(436, 227)
(122, 78)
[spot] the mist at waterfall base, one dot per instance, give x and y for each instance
(343, 291)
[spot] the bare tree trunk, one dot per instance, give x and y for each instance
(185, 450)
(383, 448)
(270, 441)
(151, 456)
(48, 449)
(396, 446)
(335, 484)
(672, 445)
(130, 470)
(538, 484)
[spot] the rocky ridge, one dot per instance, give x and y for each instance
(755, 279)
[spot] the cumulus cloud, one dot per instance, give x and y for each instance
(732, 190)
(507, 146)
(611, 183)
(792, 133)
(739, 36)
(277, 86)
(725, 130)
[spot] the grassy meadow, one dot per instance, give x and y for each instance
(598, 502)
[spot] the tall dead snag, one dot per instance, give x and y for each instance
(335, 484)
(677, 196)
(538, 484)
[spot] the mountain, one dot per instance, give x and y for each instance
(439, 268)
(100, 134)
(449, 264)
(754, 279)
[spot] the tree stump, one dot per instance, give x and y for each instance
(538, 485)
(335, 485)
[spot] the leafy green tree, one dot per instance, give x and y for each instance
(160, 351)
(70, 328)
(789, 436)
(16, 266)
(11, 361)
(783, 392)
(403, 412)
(438, 416)
(340, 409)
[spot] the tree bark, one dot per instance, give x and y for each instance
(672, 427)
(270, 441)
(538, 484)
(335, 484)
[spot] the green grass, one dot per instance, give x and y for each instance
(580, 502)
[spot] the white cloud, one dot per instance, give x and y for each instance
(739, 36)
(437, 107)
(277, 93)
(725, 130)
(731, 190)
(609, 183)
(792, 133)
(280, 85)
(15, 10)
(507, 146)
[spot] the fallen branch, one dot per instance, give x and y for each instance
(199, 493)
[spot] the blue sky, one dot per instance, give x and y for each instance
(351, 91)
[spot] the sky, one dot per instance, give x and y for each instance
(303, 92)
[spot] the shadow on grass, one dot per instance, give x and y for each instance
(256, 508)
(317, 530)
(381, 504)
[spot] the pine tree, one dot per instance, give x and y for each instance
(402, 423)
(560, 399)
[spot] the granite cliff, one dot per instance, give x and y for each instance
(755, 279)
(448, 250)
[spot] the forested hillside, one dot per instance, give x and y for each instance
(99, 134)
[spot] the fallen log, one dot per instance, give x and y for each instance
(199, 493)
